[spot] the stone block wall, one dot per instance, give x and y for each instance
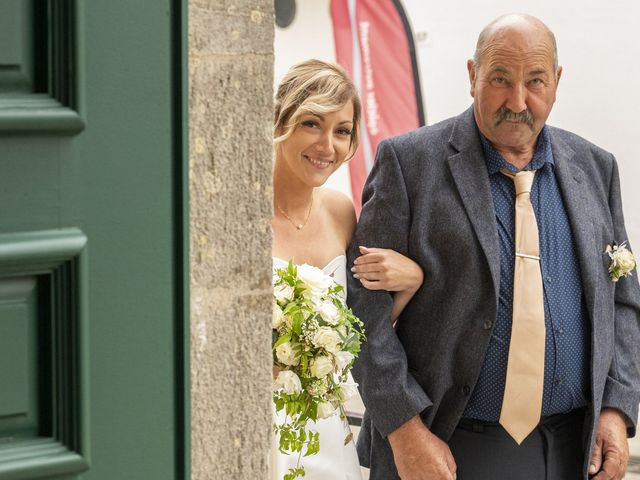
(230, 142)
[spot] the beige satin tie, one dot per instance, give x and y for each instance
(522, 403)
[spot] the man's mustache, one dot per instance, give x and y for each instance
(521, 117)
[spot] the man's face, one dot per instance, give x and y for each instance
(514, 88)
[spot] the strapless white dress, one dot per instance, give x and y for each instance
(335, 460)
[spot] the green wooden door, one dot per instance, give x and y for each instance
(92, 239)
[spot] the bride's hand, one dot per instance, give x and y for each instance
(384, 269)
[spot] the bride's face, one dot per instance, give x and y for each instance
(318, 145)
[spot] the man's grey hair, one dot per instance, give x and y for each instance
(487, 31)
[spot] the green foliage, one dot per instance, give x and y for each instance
(294, 473)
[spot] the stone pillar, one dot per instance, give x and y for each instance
(230, 141)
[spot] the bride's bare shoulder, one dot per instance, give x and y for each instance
(340, 207)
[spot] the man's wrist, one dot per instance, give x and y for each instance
(408, 432)
(623, 416)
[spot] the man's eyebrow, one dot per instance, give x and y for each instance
(499, 69)
(539, 71)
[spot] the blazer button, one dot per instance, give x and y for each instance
(487, 324)
(466, 390)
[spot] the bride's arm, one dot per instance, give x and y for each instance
(377, 268)
(384, 269)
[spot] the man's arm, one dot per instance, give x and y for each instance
(622, 388)
(390, 393)
(392, 396)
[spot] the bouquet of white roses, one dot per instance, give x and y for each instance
(316, 339)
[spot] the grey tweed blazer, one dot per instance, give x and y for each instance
(428, 197)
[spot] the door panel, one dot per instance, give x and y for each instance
(18, 358)
(16, 61)
(91, 239)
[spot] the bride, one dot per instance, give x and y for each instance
(317, 121)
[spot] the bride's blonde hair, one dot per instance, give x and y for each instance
(314, 87)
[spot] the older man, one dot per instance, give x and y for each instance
(519, 356)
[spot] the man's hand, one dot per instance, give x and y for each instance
(419, 454)
(611, 450)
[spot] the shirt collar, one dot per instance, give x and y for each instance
(541, 156)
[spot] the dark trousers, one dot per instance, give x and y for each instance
(553, 451)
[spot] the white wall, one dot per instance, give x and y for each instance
(598, 49)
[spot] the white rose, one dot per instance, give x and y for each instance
(316, 280)
(278, 316)
(349, 389)
(321, 366)
(283, 292)
(343, 359)
(289, 382)
(625, 260)
(327, 338)
(286, 355)
(325, 410)
(329, 312)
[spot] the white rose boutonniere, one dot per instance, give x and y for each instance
(622, 261)
(315, 340)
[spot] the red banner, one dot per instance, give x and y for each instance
(374, 43)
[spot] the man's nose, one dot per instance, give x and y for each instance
(517, 99)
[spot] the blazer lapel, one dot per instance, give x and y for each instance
(573, 185)
(469, 171)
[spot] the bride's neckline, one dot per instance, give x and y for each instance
(321, 268)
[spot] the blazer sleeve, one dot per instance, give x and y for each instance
(622, 386)
(389, 391)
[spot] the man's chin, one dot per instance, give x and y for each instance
(514, 130)
(517, 141)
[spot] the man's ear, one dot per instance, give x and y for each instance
(471, 68)
(558, 74)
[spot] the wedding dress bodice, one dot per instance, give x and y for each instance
(337, 268)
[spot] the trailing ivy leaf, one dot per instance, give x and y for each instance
(294, 473)
(279, 402)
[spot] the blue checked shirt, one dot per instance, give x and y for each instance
(566, 367)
